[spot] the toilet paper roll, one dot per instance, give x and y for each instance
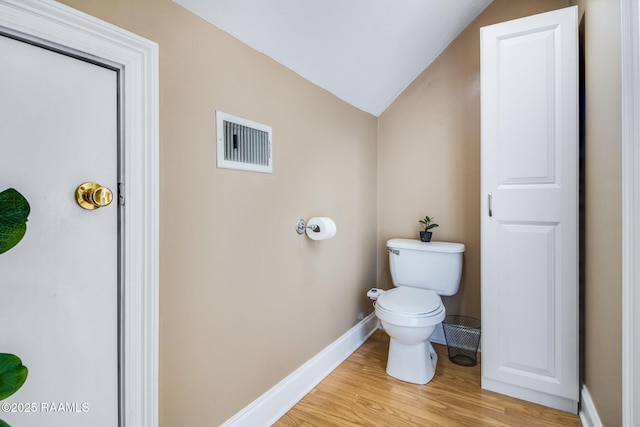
(326, 228)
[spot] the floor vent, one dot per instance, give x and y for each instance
(243, 144)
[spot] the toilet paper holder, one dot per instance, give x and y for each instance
(301, 227)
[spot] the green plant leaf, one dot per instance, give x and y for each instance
(14, 210)
(12, 374)
(3, 424)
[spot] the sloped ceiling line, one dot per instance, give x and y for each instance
(365, 52)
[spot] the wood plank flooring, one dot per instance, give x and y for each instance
(360, 393)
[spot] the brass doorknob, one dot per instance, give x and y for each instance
(91, 195)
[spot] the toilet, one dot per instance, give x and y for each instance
(421, 272)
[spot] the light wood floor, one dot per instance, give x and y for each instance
(360, 393)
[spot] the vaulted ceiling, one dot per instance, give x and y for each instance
(365, 52)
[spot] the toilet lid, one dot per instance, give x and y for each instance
(409, 301)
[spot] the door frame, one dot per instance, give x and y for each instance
(70, 30)
(630, 23)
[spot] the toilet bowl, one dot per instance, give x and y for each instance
(409, 316)
(410, 312)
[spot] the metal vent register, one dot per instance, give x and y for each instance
(243, 144)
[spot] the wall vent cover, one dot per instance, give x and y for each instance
(243, 144)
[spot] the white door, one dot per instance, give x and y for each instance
(530, 208)
(59, 285)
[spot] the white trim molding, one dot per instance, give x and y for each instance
(630, 24)
(588, 414)
(69, 30)
(268, 408)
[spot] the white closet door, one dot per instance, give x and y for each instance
(529, 70)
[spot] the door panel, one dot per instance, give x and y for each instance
(527, 273)
(59, 305)
(528, 157)
(530, 240)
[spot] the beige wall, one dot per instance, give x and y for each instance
(244, 300)
(429, 152)
(603, 287)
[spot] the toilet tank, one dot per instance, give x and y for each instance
(436, 266)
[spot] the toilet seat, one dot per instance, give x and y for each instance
(410, 301)
(406, 306)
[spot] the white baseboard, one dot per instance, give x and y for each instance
(268, 408)
(588, 414)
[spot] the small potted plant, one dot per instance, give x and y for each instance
(427, 224)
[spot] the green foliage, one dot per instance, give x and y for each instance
(12, 374)
(14, 210)
(427, 223)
